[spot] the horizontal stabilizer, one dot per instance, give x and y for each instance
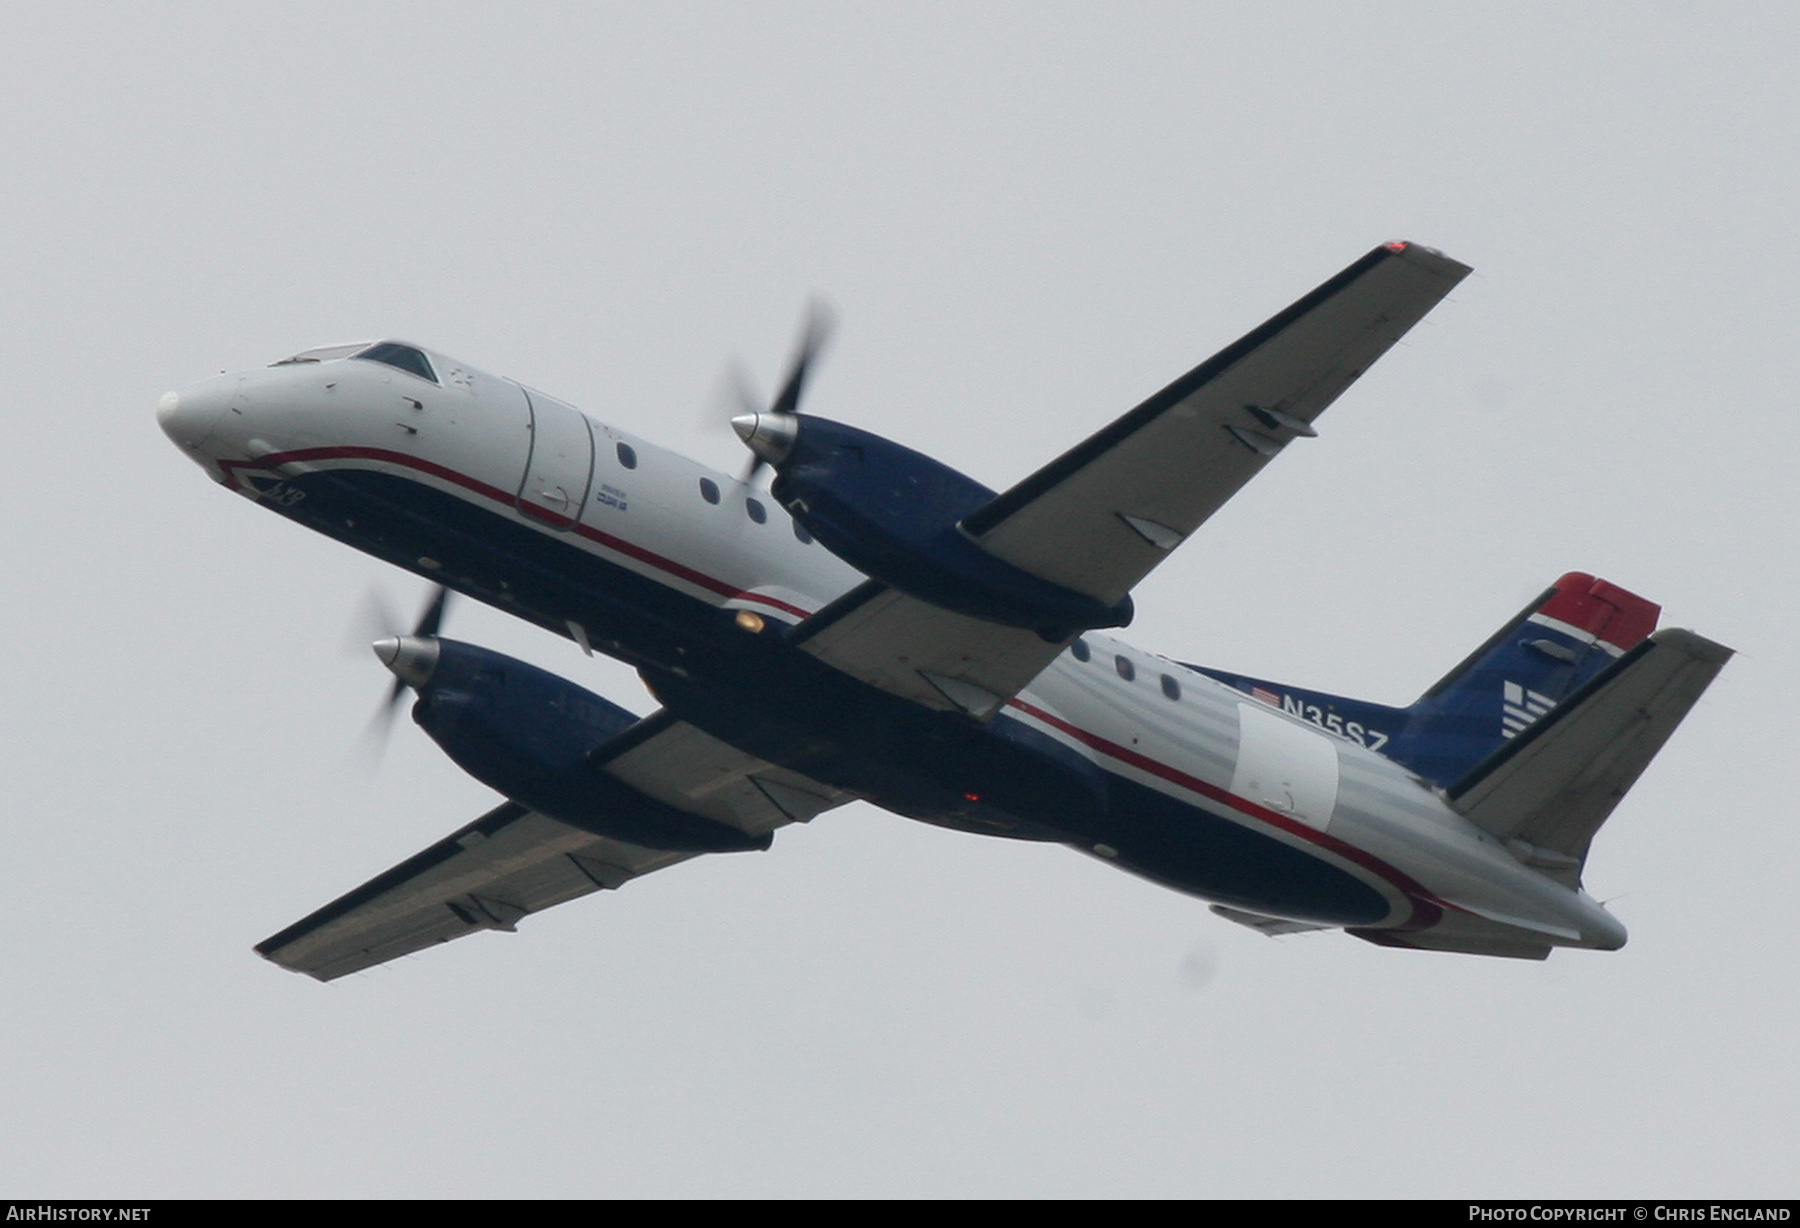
(1463, 935)
(1548, 790)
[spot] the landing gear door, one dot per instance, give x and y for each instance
(561, 467)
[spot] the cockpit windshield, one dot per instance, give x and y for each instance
(323, 353)
(403, 357)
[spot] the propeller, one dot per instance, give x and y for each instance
(769, 433)
(409, 656)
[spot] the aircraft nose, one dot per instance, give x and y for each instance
(189, 415)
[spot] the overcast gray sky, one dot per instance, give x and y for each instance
(1029, 216)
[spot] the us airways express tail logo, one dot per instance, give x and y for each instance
(1519, 707)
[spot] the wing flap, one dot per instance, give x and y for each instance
(1100, 517)
(1548, 790)
(922, 652)
(696, 772)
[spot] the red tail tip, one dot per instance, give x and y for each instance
(1604, 610)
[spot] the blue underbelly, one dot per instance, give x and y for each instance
(1004, 778)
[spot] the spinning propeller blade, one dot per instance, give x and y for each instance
(430, 619)
(769, 432)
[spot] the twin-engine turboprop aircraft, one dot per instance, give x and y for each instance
(879, 626)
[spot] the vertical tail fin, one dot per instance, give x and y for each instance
(1578, 627)
(1569, 634)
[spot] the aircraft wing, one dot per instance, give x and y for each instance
(1101, 516)
(513, 861)
(923, 652)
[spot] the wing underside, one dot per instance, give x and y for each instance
(925, 653)
(514, 861)
(507, 864)
(1102, 516)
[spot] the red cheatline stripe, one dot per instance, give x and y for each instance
(495, 494)
(1422, 899)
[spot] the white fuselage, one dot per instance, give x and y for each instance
(526, 462)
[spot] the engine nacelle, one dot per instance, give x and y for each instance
(530, 735)
(893, 513)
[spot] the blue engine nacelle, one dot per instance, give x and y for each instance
(893, 513)
(533, 736)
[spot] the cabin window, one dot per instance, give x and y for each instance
(756, 511)
(1079, 650)
(709, 490)
(400, 357)
(801, 535)
(1170, 687)
(1122, 663)
(627, 455)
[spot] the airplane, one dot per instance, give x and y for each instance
(877, 626)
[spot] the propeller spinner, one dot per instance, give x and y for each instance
(769, 433)
(411, 658)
